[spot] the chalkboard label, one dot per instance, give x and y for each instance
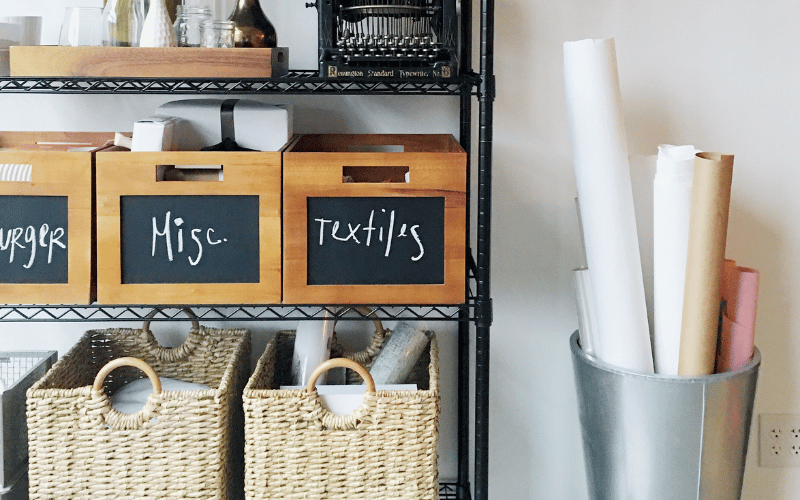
(33, 239)
(189, 239)
(375, 241)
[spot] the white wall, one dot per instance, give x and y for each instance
(720, 74)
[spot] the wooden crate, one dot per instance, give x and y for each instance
(154, 62)
(53, 213)
(425, 214)
(228, 251)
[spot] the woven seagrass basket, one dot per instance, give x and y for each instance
(180, 445)
(297, 449)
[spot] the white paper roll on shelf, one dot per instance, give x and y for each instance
(672, 197)
(312, 347)
(602, 172)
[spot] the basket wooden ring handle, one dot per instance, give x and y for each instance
(336, 362)
(186, 310)
(134, 362)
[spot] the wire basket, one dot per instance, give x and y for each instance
(181, 444)
(18, 371)
(295, 448)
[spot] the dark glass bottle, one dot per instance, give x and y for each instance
(253, 29)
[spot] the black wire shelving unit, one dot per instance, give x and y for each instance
(296, 82)
(476, 311)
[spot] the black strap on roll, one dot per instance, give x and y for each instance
(227, 129)
(226, 119)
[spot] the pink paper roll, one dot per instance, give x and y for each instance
(737, 338)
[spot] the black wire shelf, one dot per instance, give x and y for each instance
(225, 312)
(77, 313)
(296, 82)
(448, 491)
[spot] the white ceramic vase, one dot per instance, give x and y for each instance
(157, 30)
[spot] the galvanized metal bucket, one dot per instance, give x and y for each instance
(660, 437)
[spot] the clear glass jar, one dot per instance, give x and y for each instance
(218, 34)
(188, 21)
(122, 22)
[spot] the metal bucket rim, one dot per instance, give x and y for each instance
(578, 353)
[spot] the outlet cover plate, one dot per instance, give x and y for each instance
(779, 440)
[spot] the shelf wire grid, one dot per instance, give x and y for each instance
(244, 312)
(296, 82)
(448, 491)
(211, 312)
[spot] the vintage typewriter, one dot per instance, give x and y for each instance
(392, 39)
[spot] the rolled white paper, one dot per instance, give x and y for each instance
(602, 173)
(582, 281)
(344, 399)
(672, 200)
(398, 357)
(132, 396)
(312, 347)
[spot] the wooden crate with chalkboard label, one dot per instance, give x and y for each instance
(189, 227)
(46, 216)
(374, 219)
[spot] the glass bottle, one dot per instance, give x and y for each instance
(187, 25)
(122, 22)
(253, 29)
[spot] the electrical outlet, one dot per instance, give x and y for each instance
(779, 440)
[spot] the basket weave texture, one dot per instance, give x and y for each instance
(181, 445)
(295, 448)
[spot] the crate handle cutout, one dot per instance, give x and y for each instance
(377, 148)
(189, 173)
(16, 172)
(375, 174)
(127, 421)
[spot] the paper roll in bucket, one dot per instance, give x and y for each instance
(663, 437)
(603, 178)
(708, 230)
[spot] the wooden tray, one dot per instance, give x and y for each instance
(170, 62)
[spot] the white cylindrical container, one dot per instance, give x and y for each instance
(312, 346)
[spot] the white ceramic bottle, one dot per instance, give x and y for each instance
(157, 30)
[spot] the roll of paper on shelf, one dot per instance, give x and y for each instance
(312, 346)
(398, 357)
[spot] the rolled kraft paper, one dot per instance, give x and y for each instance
(708, 230)
(727, 287)
(672, 196)
(602, 172)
